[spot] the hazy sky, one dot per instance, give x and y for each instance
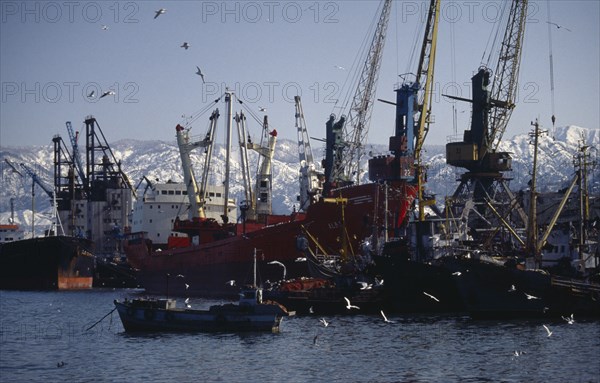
(52, 54)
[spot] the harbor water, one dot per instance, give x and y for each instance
(46, 337)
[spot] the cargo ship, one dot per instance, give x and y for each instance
(211, 255)
(47, 263)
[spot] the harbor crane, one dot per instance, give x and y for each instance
(483, 189)
(346, 138)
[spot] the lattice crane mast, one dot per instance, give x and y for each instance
(74, 136)
(343, 154)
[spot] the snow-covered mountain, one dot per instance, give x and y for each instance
(160, 160)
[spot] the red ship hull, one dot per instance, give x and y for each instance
(204, 269)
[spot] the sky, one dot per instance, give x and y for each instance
(54, 54)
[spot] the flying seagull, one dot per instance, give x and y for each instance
(350, 306)
(179, 276)
(108, 93)
(187, 300)
(310, 310)
(159, 12)
(230, 283)
(105, 27)
(570, 320)
(559, 26)
(262, 109)
(385, 318)
(530, 296)
(300, 259)
(364, 285)
(92, 94)
(187, 286)
(457, 273)
(185, 45)
(547, 330)
(512, 289)
(199, 73)
(431, 296)
(339, 67)
(325, 323)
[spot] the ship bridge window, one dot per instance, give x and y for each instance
(185, 192)
(177, 192)
(171, 192)
(218, 194)
(163, 192)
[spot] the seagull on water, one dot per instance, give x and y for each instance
(385, 318)
(230, 283)
(570, 320)
(350, 306)
(108, 93)
(325, 323)
(199, 73)
(92, 94)
(159, 12)
(519, 353)
(547, 330)
(530, 296)
(60, 364)
(431, 296)
(185, 45)
(558, 26)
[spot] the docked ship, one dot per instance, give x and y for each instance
(47, 263)
(213, 254)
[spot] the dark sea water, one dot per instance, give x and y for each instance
(40, 329)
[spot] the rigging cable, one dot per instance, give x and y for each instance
(551, 68)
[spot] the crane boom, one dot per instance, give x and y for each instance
(349, 146)
(507, 72)
(37, 180)
(310, 187)
(76, 155)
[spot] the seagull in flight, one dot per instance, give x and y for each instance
(325, 323)
(530, 296)
(311, 310)
(364, 285)
(300, 259)
(385, 318)
(185, 45)
(570, 320)
(230, 283)
(92, 94)
(457, 273)
(431, 296)
(199, 73)
(179, 276)
(262, 109)
(350, 306)
(159, 12)
(547, 330)
(339, 67)
(378, 282)
(559, 26)
(187, 286)
(108, 93)
(512, 289)
(105, 27)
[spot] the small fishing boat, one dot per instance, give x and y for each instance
(250, 314)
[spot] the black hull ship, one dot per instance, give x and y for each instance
(47, 263)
